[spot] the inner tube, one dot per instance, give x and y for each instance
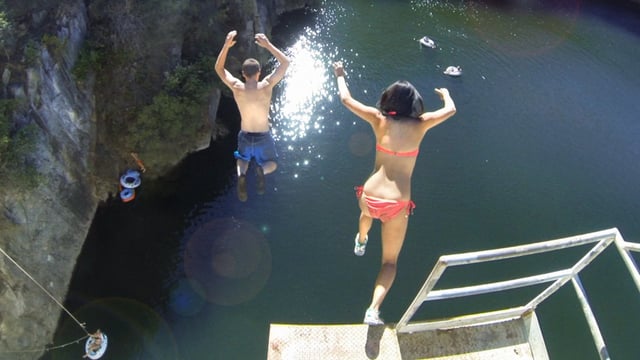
(428, 42)
(130, 179)
(127, 194)
(96, 354)
(453, 71)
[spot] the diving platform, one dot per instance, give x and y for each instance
(511, 333)
(510, 339)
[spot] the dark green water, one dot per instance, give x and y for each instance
(544, 145)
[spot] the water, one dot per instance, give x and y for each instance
(544, 145)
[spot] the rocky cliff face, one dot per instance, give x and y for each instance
(78, 153)
(43, 228)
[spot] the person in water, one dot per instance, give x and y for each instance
(399, 124)
(95, 344)
(253, 97)
(453, 70)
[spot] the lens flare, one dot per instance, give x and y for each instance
(230, 259)
(187, 297)
(126, 322)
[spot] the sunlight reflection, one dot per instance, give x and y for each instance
(307, 94)
(295, 111)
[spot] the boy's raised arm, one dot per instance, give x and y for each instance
(225, 75)
(283, 60)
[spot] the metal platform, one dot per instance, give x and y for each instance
(511, 333)
(511, 339)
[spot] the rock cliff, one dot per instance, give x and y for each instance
(86, 77)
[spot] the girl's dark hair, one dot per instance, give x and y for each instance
(401, 99)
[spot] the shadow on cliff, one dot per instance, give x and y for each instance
(133, 249)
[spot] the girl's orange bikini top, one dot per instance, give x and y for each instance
(412, 153)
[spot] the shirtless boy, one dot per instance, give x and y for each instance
(253, 97)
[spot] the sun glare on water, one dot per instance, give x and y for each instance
(304, 98)
(296, 111)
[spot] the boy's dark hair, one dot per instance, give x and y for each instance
(250, 67)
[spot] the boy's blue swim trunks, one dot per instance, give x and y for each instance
(256, 145)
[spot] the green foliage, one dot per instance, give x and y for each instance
(249, 7)
(169, 124)
(15, 147)
(6, 31)
(166, 122)
(6, 108)
(192, 81)
(21, 9)
(90, 59)
(163, 6)
(31, 50)
(54, 44)
(220, 17)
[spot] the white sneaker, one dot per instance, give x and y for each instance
(372, 317)
(359, 248)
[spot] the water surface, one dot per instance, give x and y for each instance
(544, 145)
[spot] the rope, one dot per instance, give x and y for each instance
(46, 292)
(139, 162)
(45, 349)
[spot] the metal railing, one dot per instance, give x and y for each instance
(600, 239)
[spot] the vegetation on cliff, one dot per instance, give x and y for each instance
(17, 138)
(148, 65)
(17, 171)
(153, 76)
(142, 81)
(173, 119)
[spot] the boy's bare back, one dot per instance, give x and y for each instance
(253, 103)
(253, 96)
